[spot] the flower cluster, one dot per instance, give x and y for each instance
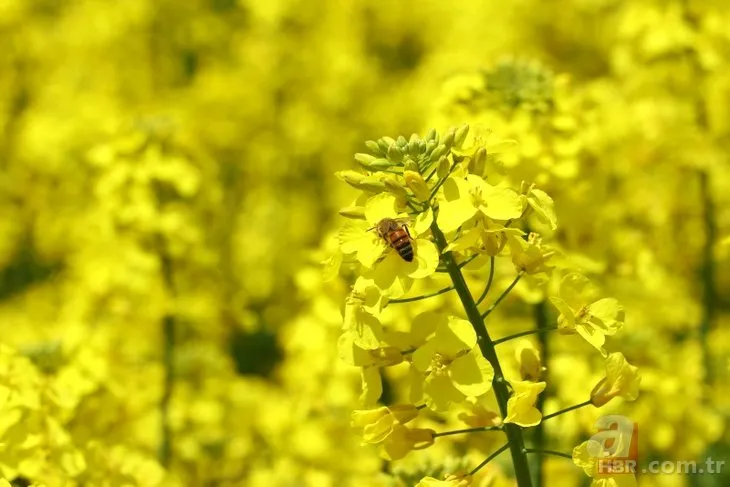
(436, 193)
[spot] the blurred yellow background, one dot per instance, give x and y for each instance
(167, 196)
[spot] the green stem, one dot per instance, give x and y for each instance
(502, 296)
(563, 411)
(707, 272)
(168, 339)
(541, 328)
(468, 430)
(489, 281)
(549, 452)
(468, 259)
(515, 442)
(489, 458)
(540, 331)
(425, 296)
(441, 182)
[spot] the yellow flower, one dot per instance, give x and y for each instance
(521, 408)
(622, 380)
(390, 272)
(453, 365)
(486, 237)
(580, 311)
(403, 440)
(529, 359)
(479, 416)
(379, 423)
(359, 319)
(588, 456)
(529, 255)
(462, 197)
(543, 206)
(462, 480)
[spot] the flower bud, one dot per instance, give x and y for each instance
(448, 140)
(395, 186)
(402, 142)
(437, 152)
(444, 167)
(374, 148)
(395, 154)
(430, 146)
(361, 181)
(414, 147)
(416, 183)
(460, 135)
(372, 163)
(478, 160)
(410, 165)
(354, 212)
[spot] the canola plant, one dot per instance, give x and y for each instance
(324, 244)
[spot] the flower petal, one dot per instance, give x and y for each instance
(607, 314)
(455, 336)
(425, 260)
(455, 206)
(380, 206)
(422, 224)
(472, 374)
(372, 387)
(440, 392)
(500, 203)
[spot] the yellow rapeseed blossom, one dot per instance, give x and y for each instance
(521, 408)
(622, 380)
(379, 423)
(588, 456)
(452, 365)
(580, 312)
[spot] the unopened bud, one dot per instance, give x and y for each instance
(395, 154)
(478, 160)
(449, 138)
(415, 183)
(444, 167)
(460, 135)
(413, 146)
(430, 146)
(354, 212)
(384, 143)
(395, 186)
(360, 181)
(410, 165)
(374, 148)
(372, 163)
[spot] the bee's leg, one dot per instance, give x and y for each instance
(407, 231)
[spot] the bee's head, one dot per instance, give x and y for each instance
(385, 226)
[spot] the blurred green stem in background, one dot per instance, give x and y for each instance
(707, 271)
(168, 357)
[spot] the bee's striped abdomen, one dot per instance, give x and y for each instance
(401, 242)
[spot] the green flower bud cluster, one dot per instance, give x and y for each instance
(516, 83)
(414, 169)
(415, 154)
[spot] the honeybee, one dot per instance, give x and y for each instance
(395, 233)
